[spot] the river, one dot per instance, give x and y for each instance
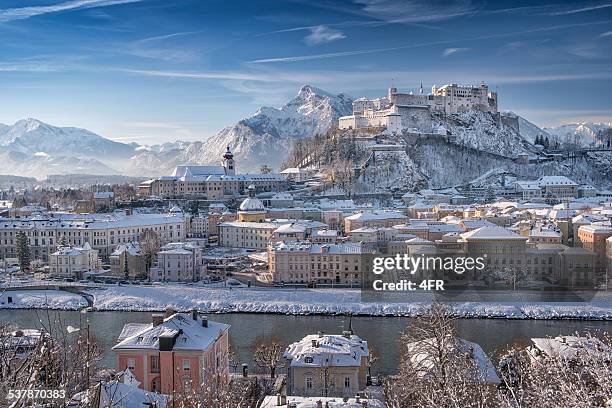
(381, 332)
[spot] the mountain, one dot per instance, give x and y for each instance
(31, 136)
(36, 149)
(584, 134)
(264, 138)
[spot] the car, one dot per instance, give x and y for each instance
(233, 283)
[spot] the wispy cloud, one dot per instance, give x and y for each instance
(606, 34)
(322, 34)
(153, 47)
(425, 44)
(227, 75)
(21, 13)
(450, 51)
(581, 9)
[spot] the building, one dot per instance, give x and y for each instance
(209, 182)
(178, 262)
(297, 174)
(129, 260)
(179, 352)
(73, 261)
(397, 111)
(284, 401)
(372, 218)
(301, 262)
(103, 232)
(252, 209)
(327, 365)
(593, 238)
(104, 200)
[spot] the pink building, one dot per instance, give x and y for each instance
(174, 353)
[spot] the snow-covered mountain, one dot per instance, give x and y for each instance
(34, 148)
(31, 136)
(584, 134)
(264, 138)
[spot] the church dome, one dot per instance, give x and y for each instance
(252, 204)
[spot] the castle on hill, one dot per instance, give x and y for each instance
(400, 111)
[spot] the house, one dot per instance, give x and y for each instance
(104, 200)
(177, 352)
(327, 365)
(73, 261)
(129, 260)
(283, 401)
(178, 262)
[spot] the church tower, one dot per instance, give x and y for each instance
(228, 162)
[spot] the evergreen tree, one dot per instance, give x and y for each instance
(23, 251)
(64, 241)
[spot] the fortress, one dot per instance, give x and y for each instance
(399, 111)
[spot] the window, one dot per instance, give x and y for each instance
(131, 364)
(185, 365)
(155, 364)
(347, 382)
(308, 360)
(308, 383)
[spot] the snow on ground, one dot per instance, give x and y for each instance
(39, 299)
(299, 302)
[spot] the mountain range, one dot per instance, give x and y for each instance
(36, 149)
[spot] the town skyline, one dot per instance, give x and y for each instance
(149, 72)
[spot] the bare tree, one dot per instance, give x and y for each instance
(436, 368)
(578, 376)
(219, 393)
(268, 354)
(150, 244)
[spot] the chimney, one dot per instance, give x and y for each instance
(283, 399)
(169, 311)
(194, 314)
(346, 334)
(320, 334)
(204, 321)
(319, 404)
(157, 319)
(314, 343)
(245, 370)
(278, 400)
(357, 398)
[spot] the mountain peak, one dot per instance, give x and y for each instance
(28, 124)
(309, 90)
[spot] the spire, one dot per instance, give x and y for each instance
(421, 90)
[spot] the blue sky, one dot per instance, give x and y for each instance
(158, 70)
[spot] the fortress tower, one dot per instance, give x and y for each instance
(228, 162)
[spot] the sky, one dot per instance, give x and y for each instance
(153, 71)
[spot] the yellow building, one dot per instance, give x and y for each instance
(252, 209)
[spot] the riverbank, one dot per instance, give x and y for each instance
(303, 302)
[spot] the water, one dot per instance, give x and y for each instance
(381, 332)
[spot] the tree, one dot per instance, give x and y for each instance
(268, 354)
(265, 169)
(150, 244)
(580, 376)
(436, 368)
(23, 251)
(64, 241)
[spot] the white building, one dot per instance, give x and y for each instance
(103, 232)
(178, 262)
(73, 261)
(211, 182)
(408, 111)
(327, 365)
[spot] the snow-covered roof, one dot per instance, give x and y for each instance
(104, 195)
(327, 350)
(556, 181)
(425, 361)
(330, 402)
(571, 347)
(376, 215)
(189, 334)
(290, 229)
(493, 233)
(252, 204)
(596, 229)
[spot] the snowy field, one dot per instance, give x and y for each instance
(297, 302)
